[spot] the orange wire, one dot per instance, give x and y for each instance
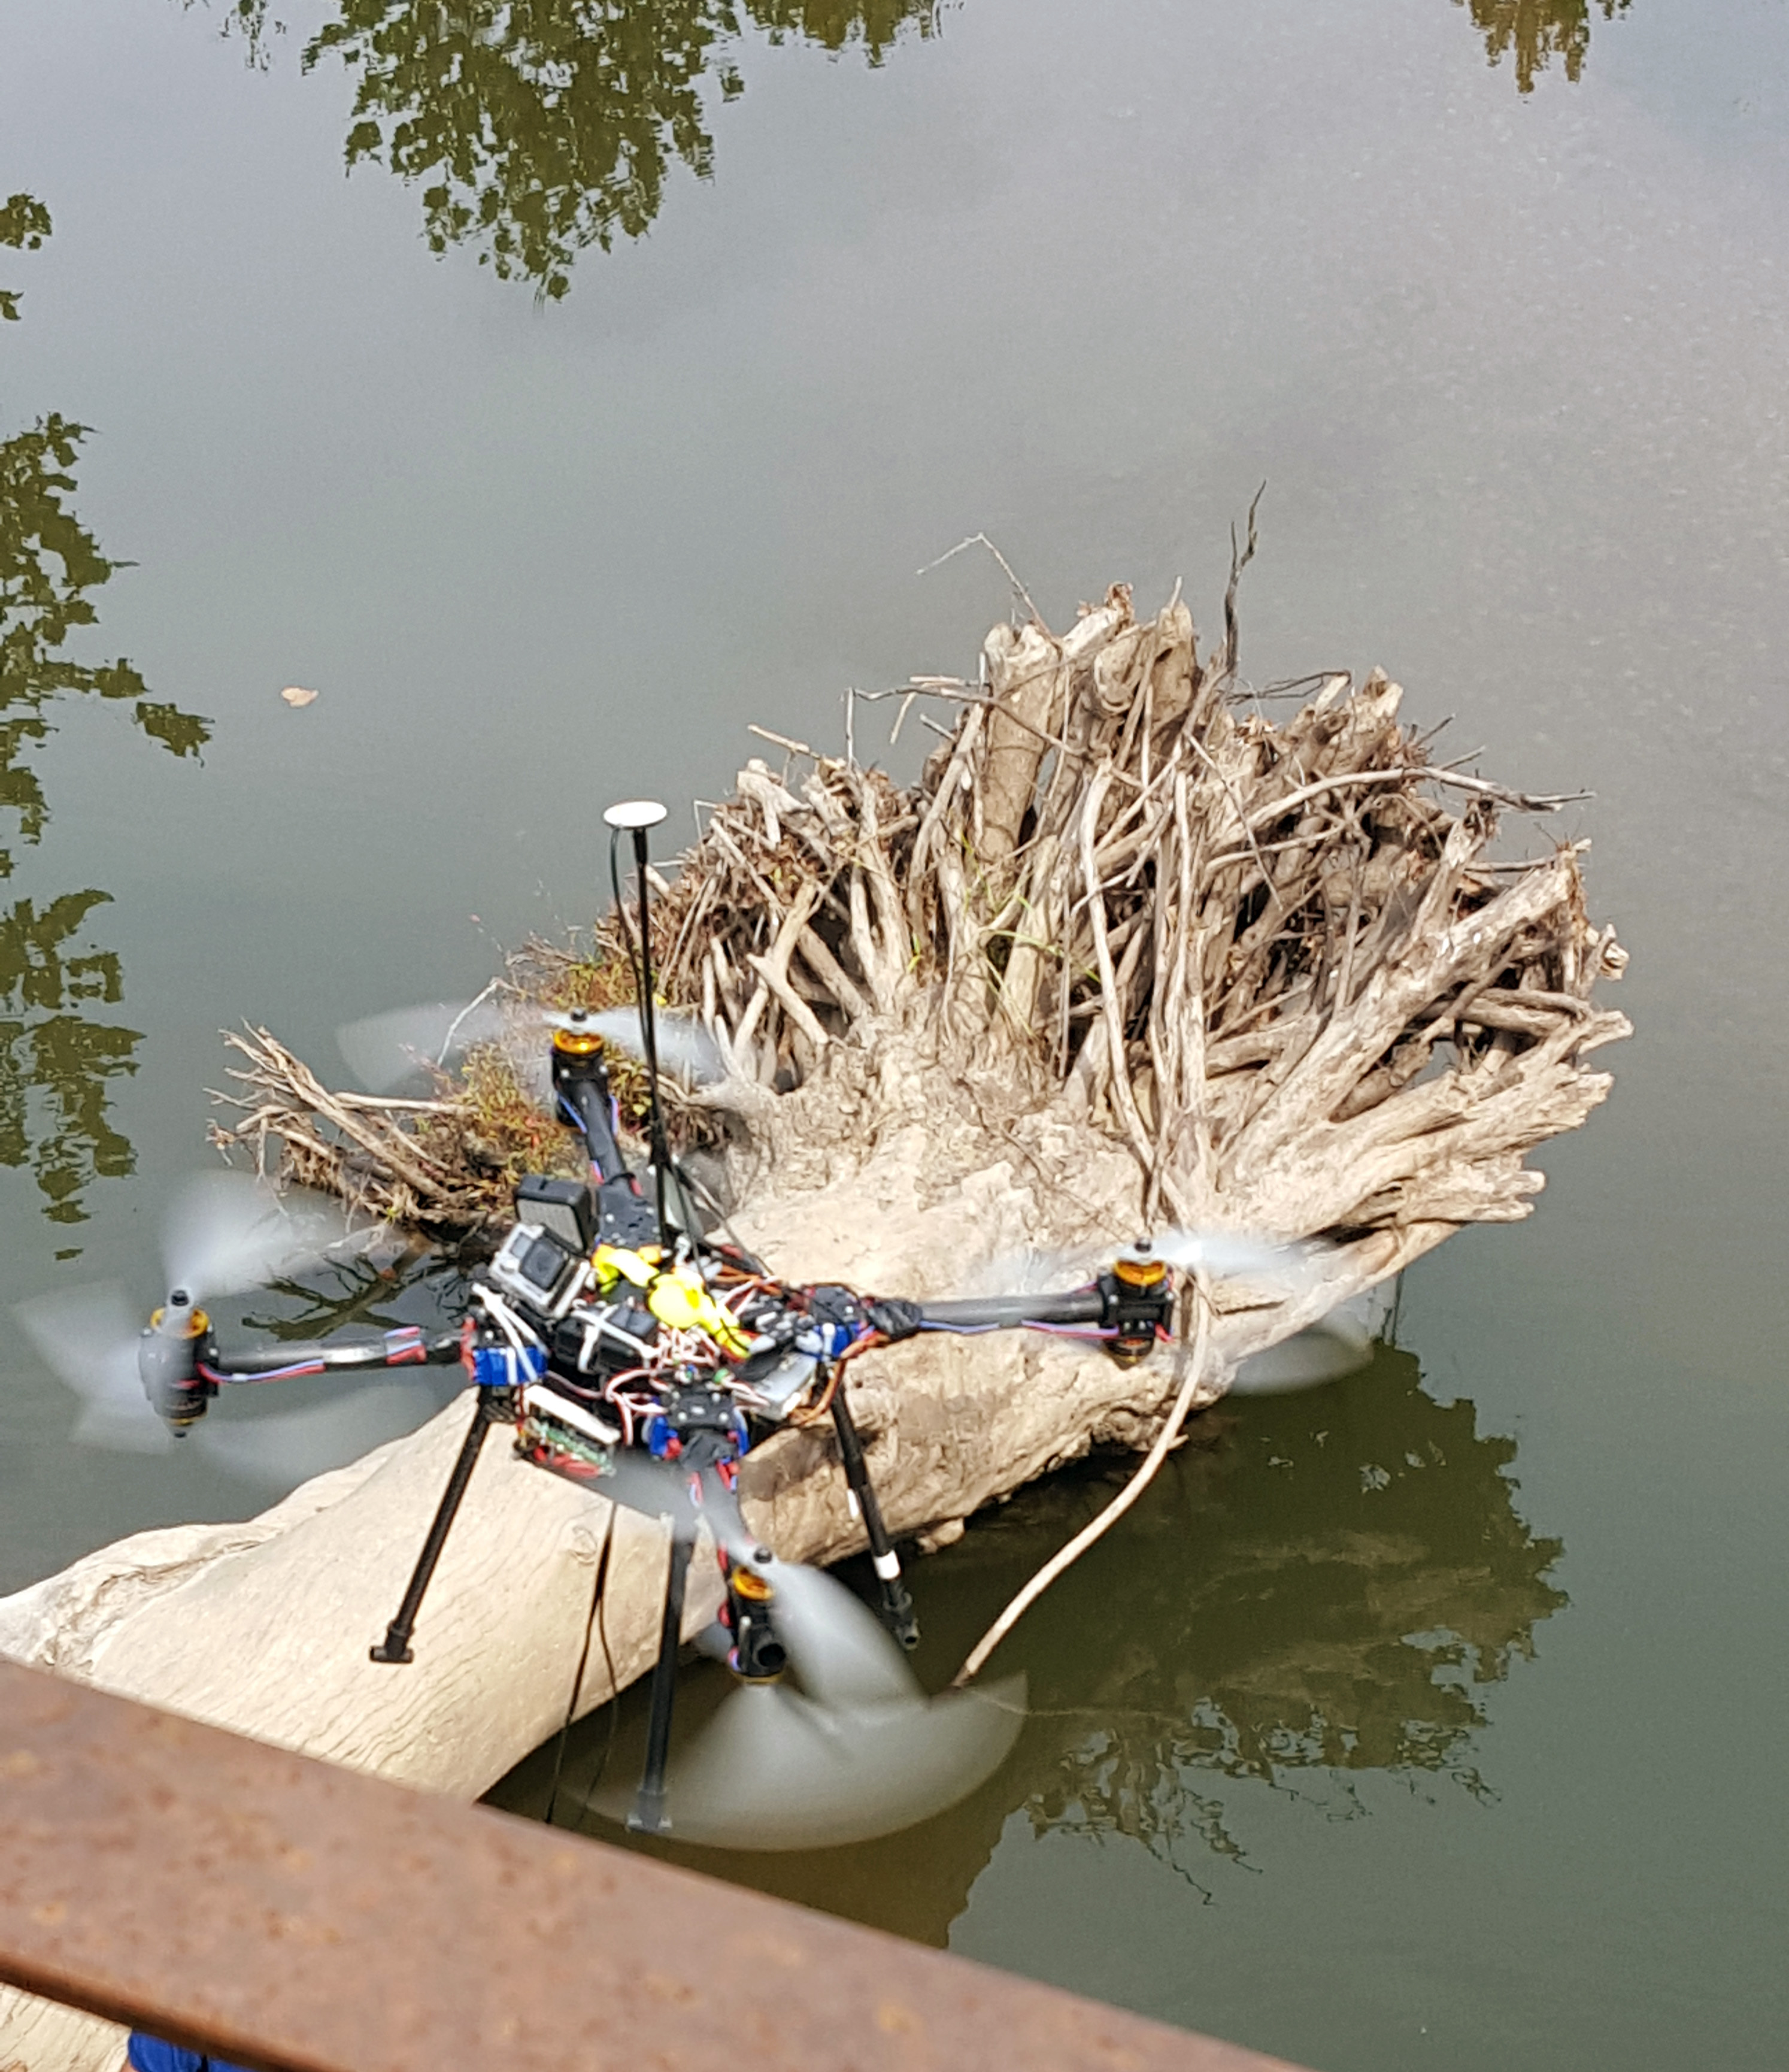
(814, 1412)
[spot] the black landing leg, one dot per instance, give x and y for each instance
(648, 1816)
(897, 1606)
(395, 1645)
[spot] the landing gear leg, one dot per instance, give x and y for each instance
(897, 1606)
(395, 1645)
(648, 1816)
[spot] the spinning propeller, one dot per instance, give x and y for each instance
(1222, 1255)
(224, 1233)
(859, 1750)
(386, 1050)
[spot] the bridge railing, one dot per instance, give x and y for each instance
(293, 1916)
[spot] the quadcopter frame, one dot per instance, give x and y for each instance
(592, 1264)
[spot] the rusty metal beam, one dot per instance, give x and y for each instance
(297, 1917)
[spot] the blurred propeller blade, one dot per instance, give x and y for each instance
(384, 1050)
(291, 1446)
(839, 1649)
(89, 1339)
(636, 1481)
(224, 1232)
(1341, 1344)
(1306, 1361)
(858, 1751)
(1238, 1256)
(1338, 1344)
(774, 1770)
(685, 1050)
(1223, 1254)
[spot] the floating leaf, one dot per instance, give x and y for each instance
(295, 696)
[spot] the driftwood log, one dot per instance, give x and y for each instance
(1129, 953)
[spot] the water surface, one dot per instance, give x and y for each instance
(1471, 1766)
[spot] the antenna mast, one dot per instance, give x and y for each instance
(637, 816)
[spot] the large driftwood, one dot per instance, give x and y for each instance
(1128, 954)
(1121, 908)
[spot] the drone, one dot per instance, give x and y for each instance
(633, 1346)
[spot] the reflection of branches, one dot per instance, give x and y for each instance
(833, 24)
(50, 1054)
(358, 1290)
(1109, 1786)
(1537, 31)
(542, 127)
(1330, 1591)
(49, 564)
(24, 225)
(51, 1057)
(1267, 1614)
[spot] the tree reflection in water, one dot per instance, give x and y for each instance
(56, 1063)
(539, 128)
(1538, 31)
(1329, 1589)
(400, 1280)
(1321, 1586)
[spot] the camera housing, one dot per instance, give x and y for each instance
(565, 1207)
(535, 1266)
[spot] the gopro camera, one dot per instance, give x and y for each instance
(540, 1269)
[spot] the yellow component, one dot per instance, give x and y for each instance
(198, 1323)
(577, 1042)
(679, 1300)
(613, 1263)
(749, 1584)
(1140, 1272)
(674, 1301)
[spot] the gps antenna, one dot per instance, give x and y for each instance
(637, 816)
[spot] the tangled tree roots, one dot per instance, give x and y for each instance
(1129, 954)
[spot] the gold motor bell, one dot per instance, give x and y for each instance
(197, 1324)
(577, 1042)
(1140, 1272)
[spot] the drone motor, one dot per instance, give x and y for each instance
(1139, 1303)
(167, 1358)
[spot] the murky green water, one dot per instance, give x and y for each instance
(1428, 1721)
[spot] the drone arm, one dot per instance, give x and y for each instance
(409, 1347)
(1084, 1307)
(1128, 1309)
(586, 1097)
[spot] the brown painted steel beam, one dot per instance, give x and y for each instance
(298, 1917)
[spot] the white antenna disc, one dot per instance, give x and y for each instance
(635, 813)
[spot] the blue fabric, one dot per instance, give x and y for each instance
(150, 2053)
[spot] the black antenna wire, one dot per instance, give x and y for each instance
(598, 1588)
(639, 959)
(621, 909)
